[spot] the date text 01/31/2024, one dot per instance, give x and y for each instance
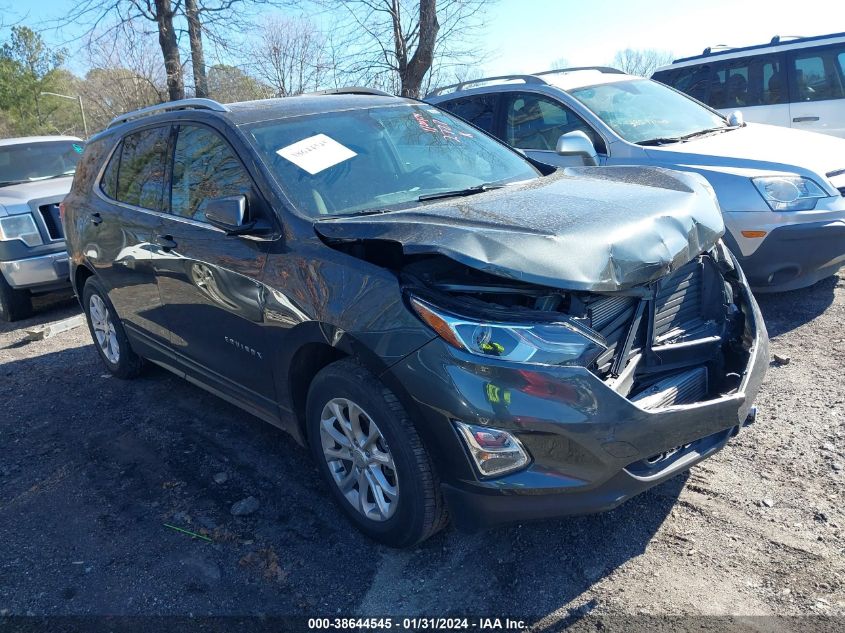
(418, 623)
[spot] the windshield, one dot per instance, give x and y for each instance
(380, 159)
(38, 161)
(643, 110)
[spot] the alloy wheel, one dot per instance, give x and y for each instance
(359, 459)
(103, 327)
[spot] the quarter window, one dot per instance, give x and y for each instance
(204, 168)
(537, 122)
(140, 179)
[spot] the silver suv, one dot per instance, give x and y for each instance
(780, 190)
(35, 175)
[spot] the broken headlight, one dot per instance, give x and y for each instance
(789, 193)
(553, 343)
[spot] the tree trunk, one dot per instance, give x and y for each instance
(413, 73)
(170, 50)
(197, 55)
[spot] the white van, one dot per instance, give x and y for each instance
(796, 82)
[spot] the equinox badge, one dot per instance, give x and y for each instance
(244, 348)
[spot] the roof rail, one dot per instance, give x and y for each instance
(528, 79)
(351, 90)
(181, 104)
(777, 40)
(604, 69)
(533, 78)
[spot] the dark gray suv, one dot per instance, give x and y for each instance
(451, 328)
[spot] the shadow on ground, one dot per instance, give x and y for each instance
(785, 311)
(46, 308)
(91, 478)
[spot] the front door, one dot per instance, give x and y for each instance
(534, 123)
(209, 281)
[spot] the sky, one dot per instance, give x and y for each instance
(529, 35)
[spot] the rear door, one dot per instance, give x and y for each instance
(120, 228)
(817, 89)
(209, 281)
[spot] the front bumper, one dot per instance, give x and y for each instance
(589, 445)
(45, 271)
(793, 256)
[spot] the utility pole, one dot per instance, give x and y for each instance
(78, 99)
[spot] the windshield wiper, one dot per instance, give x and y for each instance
(340, 216)
(7, 183)
(664, 140)
(469, 191)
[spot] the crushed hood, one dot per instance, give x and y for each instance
(599, 229)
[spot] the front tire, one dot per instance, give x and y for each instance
(107, 332)
(371, 457)
(15, 304)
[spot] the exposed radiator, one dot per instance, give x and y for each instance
(684, 388)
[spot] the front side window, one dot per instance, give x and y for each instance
(204, 168)
(141, 175)
(28, 162)
(478, 110)
(537, 122)
(381, 158)
(643, 111)
(729, 86)
(818, 75)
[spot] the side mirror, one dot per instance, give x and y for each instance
(735, 119)
(578, 144)
(228, 214)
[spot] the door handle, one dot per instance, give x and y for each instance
(96, 219)
(166, 242)
(804, 119)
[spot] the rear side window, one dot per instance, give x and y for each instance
(818, 74)
(478, 110)
(141, 175)
(204, 168)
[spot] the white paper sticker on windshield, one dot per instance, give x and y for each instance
(316, 153)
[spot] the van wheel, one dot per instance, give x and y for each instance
(371, 456)
(15, 304)
(108, 333)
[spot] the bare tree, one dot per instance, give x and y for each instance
(192, 14)
(395, 44)
(126, 72)
(289, 55)
(641, 62)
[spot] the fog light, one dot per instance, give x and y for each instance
(495, 452)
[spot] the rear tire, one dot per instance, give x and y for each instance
(379, 451)
(15, 304)
(107, 332)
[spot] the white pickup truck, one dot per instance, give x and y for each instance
(35, 175)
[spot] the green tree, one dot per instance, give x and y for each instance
(29, 67)
(229, 83)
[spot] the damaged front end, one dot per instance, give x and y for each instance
(674, 341)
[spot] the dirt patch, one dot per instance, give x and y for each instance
(92, 468)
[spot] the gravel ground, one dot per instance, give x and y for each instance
(92, 468)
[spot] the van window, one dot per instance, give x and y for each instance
(537, 122)
(204, 168)
(694, 81)
(818, 75)
(478, 110)
(729, 85)
(140, 179)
